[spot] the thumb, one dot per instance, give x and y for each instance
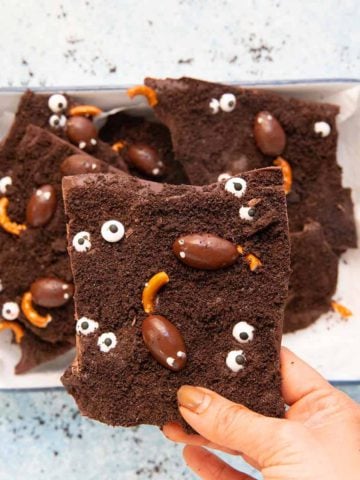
(231, 425)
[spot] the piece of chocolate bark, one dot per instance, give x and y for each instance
(176, 285)
(36, 280)
(145, 146)
(220, 130)
(35, 352)
(56, 113)
(314, 268)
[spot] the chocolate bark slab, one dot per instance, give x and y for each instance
(137, 130)
(208, 144)
(313, 277)
(38, 252)
(34, 109)
(115, 378)
(35, 352)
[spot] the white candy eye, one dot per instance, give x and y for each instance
(323, 128)
(4, 183)
(10, 311)
(243, 332)
(247, 213)
(57, 121)
(57, 103)
(81, 242)
(214, 106)
(236, 360)
(86, 326)
(223, 176)
(236, 186)
(112, 231)
(107, 341)
(227, 102)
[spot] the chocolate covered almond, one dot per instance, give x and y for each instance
(51, 292)
(146, 160)
(164, 341)
(269, 134)
(78, 164)
(205, 251)
(41, 206)
(82, 132)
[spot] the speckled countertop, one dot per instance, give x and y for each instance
(109, 42)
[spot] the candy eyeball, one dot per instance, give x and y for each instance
(86, 326)
(10, 311)
(235, 360)
(214, 106)
(4, 183)
(112, 231)
(227, 102)
(57, 121)
(236, 186)
(247, 213)
(57, 103)
(81, 242)
(106, 342)
(243, 332)
(323, 128)
(223, 176)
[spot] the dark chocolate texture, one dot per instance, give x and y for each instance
(313, 278)
(38, 252)
(123, 384)
(209, 144)
(35, 352)
(135, 130)
(34, 109)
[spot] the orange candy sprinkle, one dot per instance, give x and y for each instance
(287, 173)
(151, 290)
(5, 222)
(253, 261)
(84, 111)
(15, 327)
(341, 309)
(31, 314)
(147, 92)
(117, 146)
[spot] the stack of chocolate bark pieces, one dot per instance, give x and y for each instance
(178, 234)
(36, 296)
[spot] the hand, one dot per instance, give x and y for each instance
(319, 439)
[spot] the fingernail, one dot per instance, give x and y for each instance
(193, 399)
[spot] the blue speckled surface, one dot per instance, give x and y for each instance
(42, 436)
(103, 42)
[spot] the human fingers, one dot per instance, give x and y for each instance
(174, 432)
(210, 467)
(298, 378)
(231, 425)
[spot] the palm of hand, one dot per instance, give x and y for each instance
(318, 439)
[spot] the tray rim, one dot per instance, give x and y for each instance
(122, 87)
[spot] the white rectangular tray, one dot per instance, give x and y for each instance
(331, 345)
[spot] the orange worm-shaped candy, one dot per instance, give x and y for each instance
(31, 314)
(84, 110)
(151, 289)
(147, 92)
(117, 146)
(15, 327)
(253, 261)
(287, 173)
(341, 309)
(5, 222)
